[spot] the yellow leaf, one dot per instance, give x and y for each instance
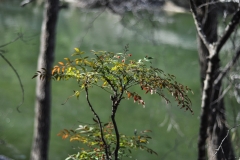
(77, 50)
(58, 78)
(87, 62)
(105, 84)
(74, 139)
(77, 94)
(114, 68)
(143, 140)
(83, 86)
(67, 59)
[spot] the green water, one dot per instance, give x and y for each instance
(171, 40)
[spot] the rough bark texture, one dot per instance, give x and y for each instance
(43, 89)
(213, 126)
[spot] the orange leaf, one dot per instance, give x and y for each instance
(61, 63)
(63, 68)
(60, 134)
(65, 136)
(129, 94)
(54, 70)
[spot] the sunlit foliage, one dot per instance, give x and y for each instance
(116, 74)
(90, 135)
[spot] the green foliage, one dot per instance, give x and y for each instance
(91, 136)
(115, 73)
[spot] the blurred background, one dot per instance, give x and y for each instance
(168, 36)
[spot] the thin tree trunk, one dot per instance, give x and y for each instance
(213, 127)
(43, 89)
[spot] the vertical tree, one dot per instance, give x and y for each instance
(43, 88)
(213, 143)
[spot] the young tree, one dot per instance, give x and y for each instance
(43, 88)
(213, 143)
(115, 74)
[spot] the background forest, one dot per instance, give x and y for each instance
(169, 37)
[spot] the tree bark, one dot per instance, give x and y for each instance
(43, 88)
(213, 126)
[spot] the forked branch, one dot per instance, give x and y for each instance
(198, 24)
(228, 31)
(99, 122)
(227, 67)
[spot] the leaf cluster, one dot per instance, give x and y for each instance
(118, 72)
(90, 135)
(115, 73)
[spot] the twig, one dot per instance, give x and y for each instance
(19, 79)
(99, 122)
(220, 146)
(222, 95)
(198, 24)
(228, 31)
(209, 3)
(25, 2)
(90, 25)
(227, 67)
(20, 35)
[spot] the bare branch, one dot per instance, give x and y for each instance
(228, 31)
(25, 2)
(222, 95)
(220, 146)
(198, 24)
(15, 71)
(19, 79)
(90, 25)
(209, 3)
(99, 122)
(20, 35)
(227, 67)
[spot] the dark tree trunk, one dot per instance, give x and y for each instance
(43, 89)
(213, 127)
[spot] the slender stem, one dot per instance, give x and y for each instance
(19, 79)
(116, 99)
(198, 24)
(99, 122)
(18, 37)
(114, 109)
(227, 67)
(228, 30)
